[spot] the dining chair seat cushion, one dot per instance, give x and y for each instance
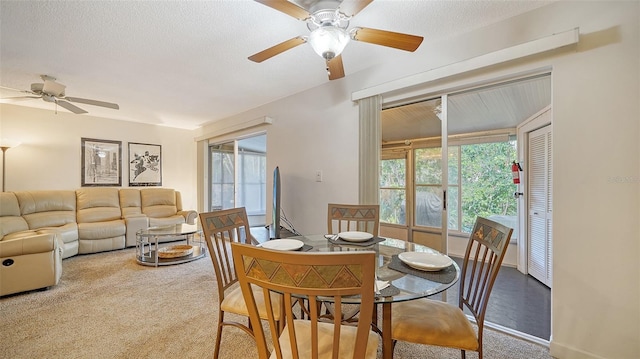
(325, 341)
(438, 323)
(233, 302)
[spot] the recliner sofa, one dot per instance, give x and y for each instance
(40, 228)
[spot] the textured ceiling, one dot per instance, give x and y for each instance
(184, 63)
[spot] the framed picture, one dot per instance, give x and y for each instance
(101, 162)
(145, 164)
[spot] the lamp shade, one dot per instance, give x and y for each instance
(8, 143)
(328, 41)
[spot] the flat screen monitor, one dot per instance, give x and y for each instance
(274, 231)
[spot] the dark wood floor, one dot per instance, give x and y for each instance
(518, 302)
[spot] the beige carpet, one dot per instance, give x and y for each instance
(108, 306)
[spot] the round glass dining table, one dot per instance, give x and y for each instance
(403, 284)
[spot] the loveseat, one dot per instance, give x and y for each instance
(40, 228)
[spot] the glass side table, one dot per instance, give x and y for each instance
(147, 244)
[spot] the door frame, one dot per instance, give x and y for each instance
(531, 124)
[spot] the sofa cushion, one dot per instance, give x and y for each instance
(158, 202)
(47, 208)
(102, 230)
(97, 205)
(10, 219)
(130, 202)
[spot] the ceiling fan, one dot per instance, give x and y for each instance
(52, 91)
(328, 21)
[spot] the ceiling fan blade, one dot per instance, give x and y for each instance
(53, 88)
(287, 7)
(93, 102)
(335, 68)
(275, 50)
(387, 38)
(352, 7)
(73, 108)
(20, 98)
(23, 91)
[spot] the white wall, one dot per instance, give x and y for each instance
(50, 154)
(596, 281)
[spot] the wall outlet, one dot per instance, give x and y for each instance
(318, 176)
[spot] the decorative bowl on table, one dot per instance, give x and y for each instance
(175, 251)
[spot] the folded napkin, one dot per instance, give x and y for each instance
(381, 284)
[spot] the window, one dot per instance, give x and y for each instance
(486, 182)
(480, 184)
(392, 191)
(245, 158)
(222, 176)
(252, 182)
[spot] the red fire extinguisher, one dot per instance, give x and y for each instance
(515, 172)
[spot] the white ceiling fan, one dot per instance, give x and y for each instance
(328, 23)
(52, 91)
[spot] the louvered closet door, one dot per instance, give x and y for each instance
(539, 207)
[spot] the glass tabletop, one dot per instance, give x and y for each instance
(409, 286)
(170, 230)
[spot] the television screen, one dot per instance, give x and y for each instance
(274, 231)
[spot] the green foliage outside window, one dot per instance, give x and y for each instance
(392, 191)
(485, 184)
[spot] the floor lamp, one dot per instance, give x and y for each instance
(5, 145)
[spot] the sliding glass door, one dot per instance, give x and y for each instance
(238, 176)
(413, 176)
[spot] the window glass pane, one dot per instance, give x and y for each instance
(392, 191)
(393, 173)
(452, 208)
(453, 165)
(252, 182)
(428, 165)
(392, 206)
(429, 206)
(222, 176)
(487, 186)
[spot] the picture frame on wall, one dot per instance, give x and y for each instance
(101, 162)
(145, 164)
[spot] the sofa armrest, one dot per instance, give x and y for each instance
(134, 223)
(29, 243)
(189, 216)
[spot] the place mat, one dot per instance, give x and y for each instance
(446, 275)
(389, 291)
(367, 243)
(305, 248)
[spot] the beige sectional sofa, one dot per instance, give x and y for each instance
(40, 228)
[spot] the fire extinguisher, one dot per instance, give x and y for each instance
(515, 172)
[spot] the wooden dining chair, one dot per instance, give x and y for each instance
(353, 217)
(431, 322)
(314, 276)
(221, 228)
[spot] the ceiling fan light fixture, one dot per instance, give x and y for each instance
(328, 41)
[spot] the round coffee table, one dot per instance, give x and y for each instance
(149, 253)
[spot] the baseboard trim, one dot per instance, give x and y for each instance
(513, 333)
(562, 351)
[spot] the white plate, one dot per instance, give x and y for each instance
(354, 236)
(282, 244)
(427, 261)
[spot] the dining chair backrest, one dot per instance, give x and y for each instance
(482, 260)
(316, 277)
(220, 228)
(353, 217)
